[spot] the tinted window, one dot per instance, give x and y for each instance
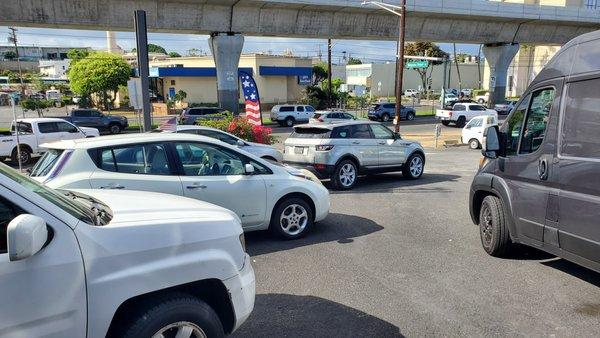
(81, 113)
(300, 108)
(201, 159)
(310, 109)
(47, 127)
(66, 127)
(390, 106)
(537, 120)
(381, 132)
(512, 127)
(286, 109)
(95, 113)
(8, 212)
(475, 123)
(195, 111)
(587, 59)
(581, 120)
(361, 131)
(478, 108)
(459, 107)
(24, 127)
(334, 116)
(341, 132)
(347, 116)
(310, 133)
(219, 136)
(150, 159)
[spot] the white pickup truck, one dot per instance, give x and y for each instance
(105, 263)
(461, 113)
(36, 131)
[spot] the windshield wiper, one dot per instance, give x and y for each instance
(98, 211)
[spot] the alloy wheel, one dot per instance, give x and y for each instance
(294, 219)
(416, 166)
(486, 225)
(180, 329)
(347, 175)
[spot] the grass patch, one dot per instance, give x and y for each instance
(136, 126)
(425, 111)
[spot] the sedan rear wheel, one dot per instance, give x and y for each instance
(474, 144)
(345, 175)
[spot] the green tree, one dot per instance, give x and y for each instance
(354, 61)
(77, 54)
(319, 73)
(10, 55)
(36, 104)
(152, 48)
(174, 55)
(429, 49)
(99, 73)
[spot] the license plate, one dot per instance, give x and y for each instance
(299, 150)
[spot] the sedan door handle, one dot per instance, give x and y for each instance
(113, 186)
(355, 142)
(196, 186)
(382, 143)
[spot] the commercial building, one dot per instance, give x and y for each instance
(56, 69)
(279, 79)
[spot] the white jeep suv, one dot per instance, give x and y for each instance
(290, 114)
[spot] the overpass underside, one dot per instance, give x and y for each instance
(304, 18)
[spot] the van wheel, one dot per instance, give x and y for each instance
(385, 117)
(292, 219)
(289, 121)
(493, 230)
(175, 315)
(25, 156)
(345, 175)
(410, 116)
(446, 123)
(461, 122)
(474, 144)
(413, 168)
(114, 128)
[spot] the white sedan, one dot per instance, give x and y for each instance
(263, 194)
(331, 117)
(263, 151)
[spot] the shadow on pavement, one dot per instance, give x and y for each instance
(336, 227)
(575, 270)
(383, 183)
(282, 315)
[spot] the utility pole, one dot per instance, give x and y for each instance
(13, 38)
(400, 64)
(329, 71)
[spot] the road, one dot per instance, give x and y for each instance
(398, 257)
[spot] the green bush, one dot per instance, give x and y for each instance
(221, 121)
(202, 104)
(477, 92)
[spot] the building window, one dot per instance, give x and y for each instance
(172, 82)
(592, 4)
(359, 71)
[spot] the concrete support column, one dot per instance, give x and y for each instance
(226, 50)
(499, 56)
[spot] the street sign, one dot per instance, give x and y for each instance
(417, 64)
(134, 87)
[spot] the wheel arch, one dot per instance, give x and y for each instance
(350, 157)
(490, 185)
(22, 146)
(211, 291)
(297, 194)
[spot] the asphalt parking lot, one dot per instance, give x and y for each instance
(402, 258)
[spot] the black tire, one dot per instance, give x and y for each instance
(289, 121)
(115, 128)
(461, 122)
(410, 116)
(481, 101)
(414, 166)
(281, 123)
(493, 229)
(280, 223)
(25, 156)
(342, 176)
(385, 117)
(474, 143)
(446, 123)
(170, 309)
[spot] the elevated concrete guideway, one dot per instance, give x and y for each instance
(467, 21)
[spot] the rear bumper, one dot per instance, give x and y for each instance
(322, 171)
(242, 290)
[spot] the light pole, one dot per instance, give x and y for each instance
(401, 12)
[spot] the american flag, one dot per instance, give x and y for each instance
(251, 98)
(169, 125)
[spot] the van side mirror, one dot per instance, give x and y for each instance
(491, 142)
(26, 236)
(249, 169)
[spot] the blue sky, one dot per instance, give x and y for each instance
(367, 50)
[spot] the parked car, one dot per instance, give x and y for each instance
(346, 150)
(290, 114)
(53, 95)
(505, 107)
(450, 98)
(387, 111)
(263, 151)
(461, 113)
(190, 115)
(97, 263)
(538, 184)
(483, 99)
(472, 133)
(93, 118)
(411, 93)
(331, 117)
(35, 131)
(263, 194)
(467, 92)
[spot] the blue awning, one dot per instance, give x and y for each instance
(189, 71)
(285, 71)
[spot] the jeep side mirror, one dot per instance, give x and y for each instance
(26, 235)
(491, 142)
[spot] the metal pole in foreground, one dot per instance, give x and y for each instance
(141, 38)
(329, 71)
(400, 64)
(14, 108)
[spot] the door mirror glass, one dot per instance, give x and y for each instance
(249, 169)
(26, 236)
(491, 142)
(240, 143)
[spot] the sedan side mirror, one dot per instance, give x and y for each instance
(249, 169)
(491, 142)
(240, 143)
(26, 236)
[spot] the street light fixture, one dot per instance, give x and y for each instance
(401, 12)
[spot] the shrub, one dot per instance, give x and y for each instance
(240, 127)
(478, 92)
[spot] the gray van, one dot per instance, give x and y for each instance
(539, 181)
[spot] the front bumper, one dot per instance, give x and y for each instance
(322, 171)
(242, 290)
